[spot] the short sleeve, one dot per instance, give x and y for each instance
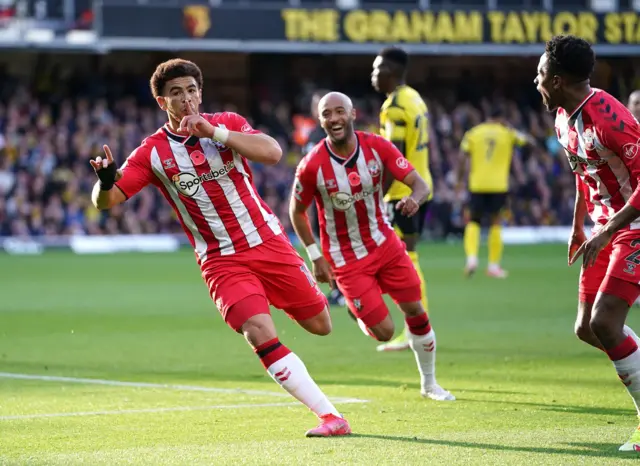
(465, 144)
(392, 158)
(235, 122)
(395, 126)
(136, 172)
(304, 186)
(519, 138)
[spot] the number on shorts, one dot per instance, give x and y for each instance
(305, 270)
(634, 257)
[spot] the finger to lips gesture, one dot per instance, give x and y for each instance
(194, 124)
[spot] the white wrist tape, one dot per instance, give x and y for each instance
(313, 251)
(220, 134)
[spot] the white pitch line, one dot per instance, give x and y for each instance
(145, 410)
(194, 388)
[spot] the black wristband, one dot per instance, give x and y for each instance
(106, 186)
(107, 176)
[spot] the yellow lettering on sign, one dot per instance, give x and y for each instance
(415, 26)
(311, 25)
(355, 26)
(622, 27)
(496, 21)
(539, 27)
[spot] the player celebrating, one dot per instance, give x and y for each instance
(404, 121)
(633, 104)
(344, 174)
(199, 163)
(335, 295)
(489, 149)
(601, 139)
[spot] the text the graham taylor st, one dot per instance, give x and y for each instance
(330, 25)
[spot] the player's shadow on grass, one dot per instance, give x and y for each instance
(601, 450)
(412, 386)
(591, 410)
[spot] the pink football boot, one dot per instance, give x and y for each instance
(330, 426)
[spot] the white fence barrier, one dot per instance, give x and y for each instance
(171, 243)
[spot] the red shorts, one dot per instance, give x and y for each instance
(273, 270)
(616, 271)
(387, 270)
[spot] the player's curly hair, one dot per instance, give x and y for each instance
(397, 56)
(571, 56)
(172, 69)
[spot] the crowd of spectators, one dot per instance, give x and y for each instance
(46, 140)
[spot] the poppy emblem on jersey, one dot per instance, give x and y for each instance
(402, 163)
(373, 167)
(589, 139)
(354, 179)
(630, 150)
(197, 157)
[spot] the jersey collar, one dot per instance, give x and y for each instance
(187, 141)
(573, 115)
(349, 161)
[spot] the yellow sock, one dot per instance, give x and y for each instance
(423, 285)
(495, 244)
(472, 241)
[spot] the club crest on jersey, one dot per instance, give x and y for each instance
(189, 184)
(354, 179)
(197, 157)
(357, 304)
(589, 139)
(331, 184)
(630, 150)
(168, 164)
(373, 168)
(402, 163)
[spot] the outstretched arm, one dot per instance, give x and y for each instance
(105, 194)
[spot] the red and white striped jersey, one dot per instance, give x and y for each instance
(348, 193)
(209, 186)
(601, 139)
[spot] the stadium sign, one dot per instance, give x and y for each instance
(361, 31)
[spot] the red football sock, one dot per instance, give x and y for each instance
(418, 325)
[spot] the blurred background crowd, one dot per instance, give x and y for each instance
(53, 122)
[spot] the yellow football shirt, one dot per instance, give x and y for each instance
(404, 120)
(490, 149)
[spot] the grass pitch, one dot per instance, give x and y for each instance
(171, 384)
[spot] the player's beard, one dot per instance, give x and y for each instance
(345, 136)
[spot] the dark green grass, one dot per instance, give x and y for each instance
(528, 391)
